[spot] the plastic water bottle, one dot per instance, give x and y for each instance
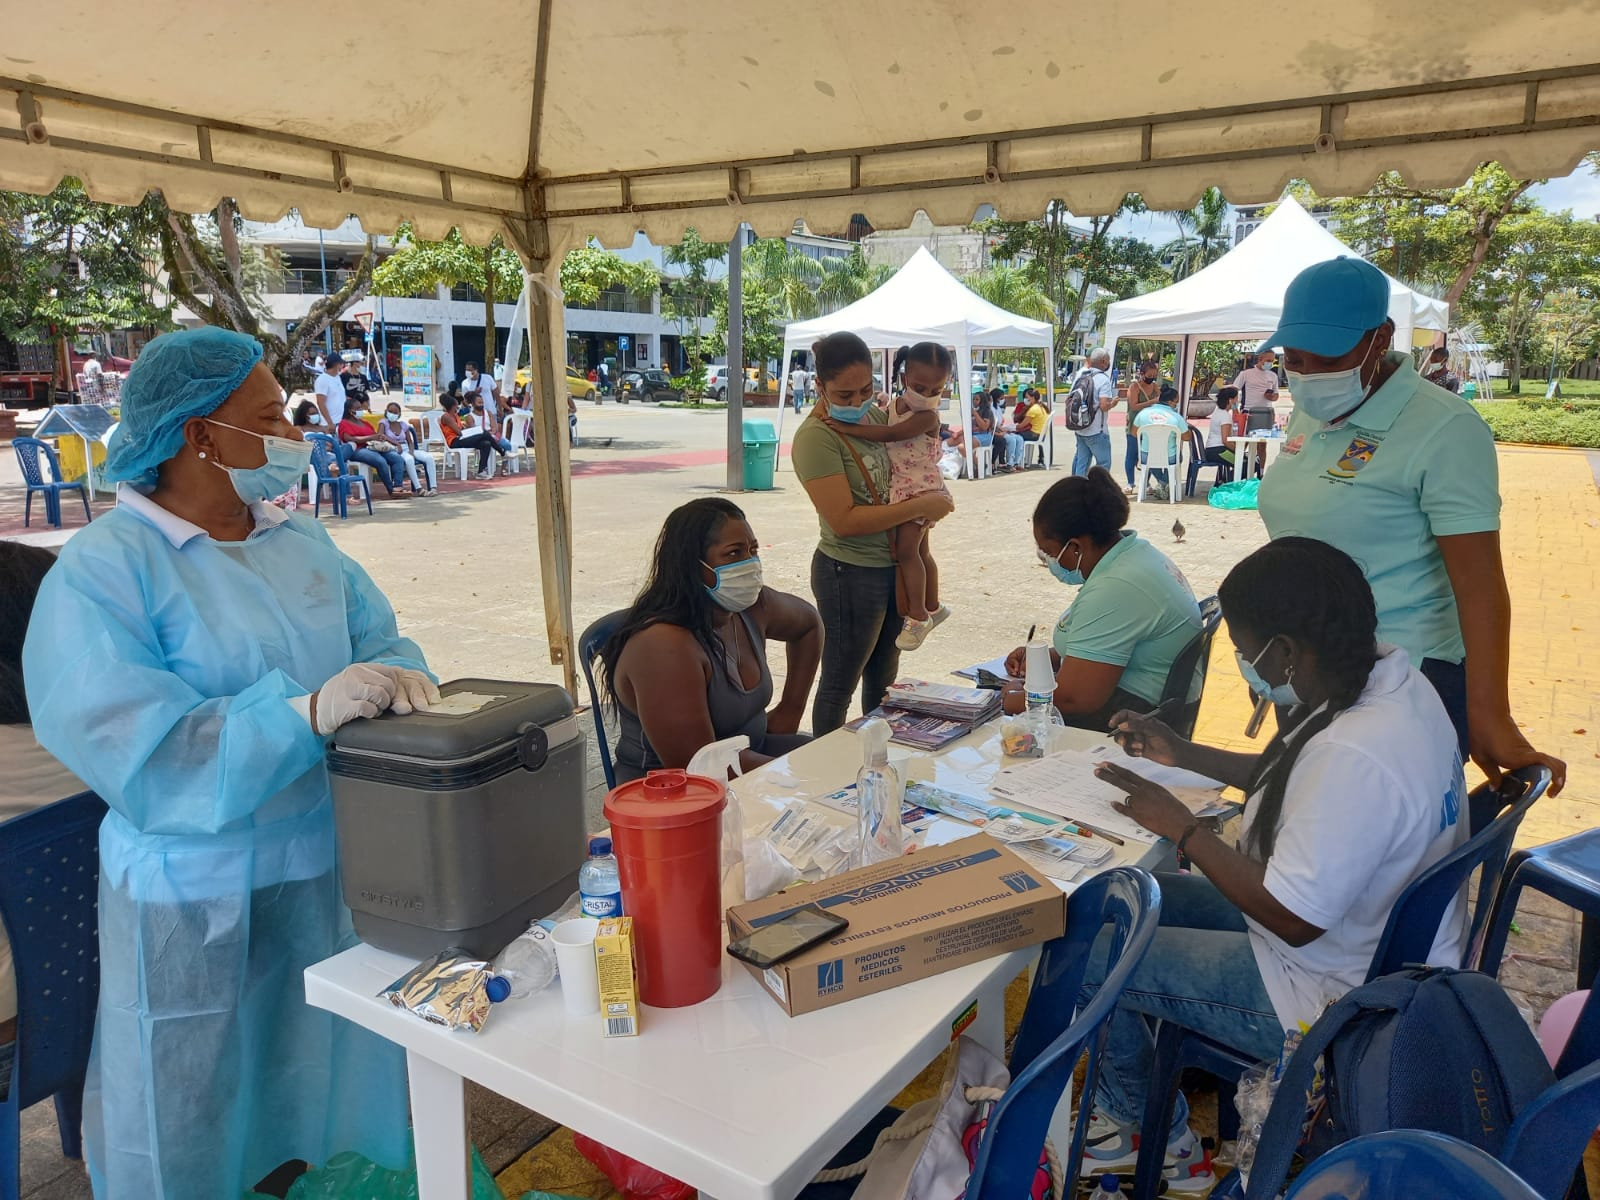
(878, 793)
(526, 966)
(599, 884)
(1110, 1185)
(1040, 686)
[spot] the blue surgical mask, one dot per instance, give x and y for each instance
(850, 416)
(1331, 396)
(1283, 694)
(287, 462)
(738, 584)
(1072, 576)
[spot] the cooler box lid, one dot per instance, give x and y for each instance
(473, 717)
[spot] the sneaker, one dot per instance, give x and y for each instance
(482, 475)
(1112, 1147)
(1158, 490)
(912, 633)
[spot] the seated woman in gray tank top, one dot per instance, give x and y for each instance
(688, 665)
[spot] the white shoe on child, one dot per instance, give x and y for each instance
(915, 632)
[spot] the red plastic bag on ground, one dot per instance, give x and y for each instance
(629, 1176)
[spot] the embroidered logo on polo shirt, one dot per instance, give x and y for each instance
(1356, 456)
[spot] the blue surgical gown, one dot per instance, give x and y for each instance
(160, 673)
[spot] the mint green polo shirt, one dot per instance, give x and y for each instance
(1415, 463)
(1135, 611)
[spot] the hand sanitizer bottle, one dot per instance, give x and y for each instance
(878, 791)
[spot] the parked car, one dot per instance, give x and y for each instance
(650, 384)
(717, 381)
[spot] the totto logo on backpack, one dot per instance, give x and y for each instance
(1428, 1048)
(1082, 406)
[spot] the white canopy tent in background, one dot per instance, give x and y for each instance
(923, 302)
(760, 120)
(1240, 296)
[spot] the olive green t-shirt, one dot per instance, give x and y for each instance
(817, 453)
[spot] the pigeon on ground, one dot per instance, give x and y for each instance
(1178, 530)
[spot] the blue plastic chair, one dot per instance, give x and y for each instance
(1567, 870)
(589, 646)
(28, 451)
(1408, 1162)
(1055, 1033)
(325, 456)
(49, 885)
(1408, 936)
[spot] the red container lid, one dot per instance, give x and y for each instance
(665, 800)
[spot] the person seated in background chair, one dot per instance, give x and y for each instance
(982, 429)
(1008, 457)
(1163, 413)
(396, 429)
(688, 664)
(1360, 792)
(483, 420)
(1219, 432)
(356, 434)
(459, 436)
(32, 777)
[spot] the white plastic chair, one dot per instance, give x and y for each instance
(1033, 450)
(433, 442)
(516, 432)
(983, 460)
(1160, 449)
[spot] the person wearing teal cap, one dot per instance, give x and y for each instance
(188, 658)
(1401, 475)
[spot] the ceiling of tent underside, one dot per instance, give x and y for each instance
(607, 116)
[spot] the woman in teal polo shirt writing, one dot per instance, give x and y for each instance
(1401, 475)
(1133, 615)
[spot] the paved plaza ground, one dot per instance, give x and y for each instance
(461, 570)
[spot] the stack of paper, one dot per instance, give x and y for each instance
(920, 733)
(972, 705)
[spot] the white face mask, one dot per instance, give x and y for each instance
(738, 585)
(1329, 396)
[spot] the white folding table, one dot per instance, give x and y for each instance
(730, 1095)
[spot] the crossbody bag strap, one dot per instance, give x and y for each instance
(872, 488)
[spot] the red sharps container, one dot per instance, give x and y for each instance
(666, 831)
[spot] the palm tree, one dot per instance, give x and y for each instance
(1012, 289)
(784, 273)
(1203, 236)
(848, 278)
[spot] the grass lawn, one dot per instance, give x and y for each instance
(1534, 389)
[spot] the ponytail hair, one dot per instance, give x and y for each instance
(1315, 594)
(930, 354)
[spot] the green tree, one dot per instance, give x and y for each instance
(416, 266)
(1540, 255)
(590, 270)
(1436, 238)
(763, 325)
(785, 274)
(1066, 262)
(68, 263)
(223, 284)
(1570, 325)
(848, 278)
(1014, 290)
(690, 297)
(1203, 236)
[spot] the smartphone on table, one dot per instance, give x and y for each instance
(800, 930)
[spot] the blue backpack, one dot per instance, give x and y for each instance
(1426, 1048)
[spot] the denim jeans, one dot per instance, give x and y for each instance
(1012, 456)
(1200, 972)
(1096, 444)
(381, 467)
(860, 622)
(1130, 456)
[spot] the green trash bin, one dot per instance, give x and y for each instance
(760, 455)
(1469, 390)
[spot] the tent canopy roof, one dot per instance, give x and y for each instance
(608, 117)
(1241, 294)
(923, 302)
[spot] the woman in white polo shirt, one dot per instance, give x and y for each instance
(1360, 792)
(1402, 476)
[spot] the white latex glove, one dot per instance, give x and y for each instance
(360, 690)
(413, 691)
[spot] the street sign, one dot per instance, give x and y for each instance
(622, 343)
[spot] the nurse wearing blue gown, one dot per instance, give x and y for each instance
(189, 656)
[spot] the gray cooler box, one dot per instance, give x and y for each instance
(459, 826)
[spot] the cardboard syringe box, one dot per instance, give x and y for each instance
(935, 909)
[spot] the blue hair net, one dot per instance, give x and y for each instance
(178, 376)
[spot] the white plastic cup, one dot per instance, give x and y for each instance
(1040, 675)
(580, 983)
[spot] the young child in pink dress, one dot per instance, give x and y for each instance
(912, 437)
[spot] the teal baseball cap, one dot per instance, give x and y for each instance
(1329, 306)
